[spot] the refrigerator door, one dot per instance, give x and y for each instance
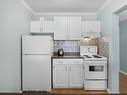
(36, 72)
(36, 44)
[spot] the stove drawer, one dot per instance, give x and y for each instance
(95, 85)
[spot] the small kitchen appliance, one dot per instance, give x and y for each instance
(95, 69)
(60, 52)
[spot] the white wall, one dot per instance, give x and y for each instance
(49, 16)
(14, 21)
(110, 30)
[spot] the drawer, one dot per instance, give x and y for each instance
(68, 61)
(59, 61)
(76, 61)
(95, 85)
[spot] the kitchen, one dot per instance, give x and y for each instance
(68, 59)
(16, 17)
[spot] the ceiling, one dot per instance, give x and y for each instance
(41, 6)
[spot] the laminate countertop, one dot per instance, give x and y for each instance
(68, 56)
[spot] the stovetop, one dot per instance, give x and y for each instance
(87, 56)
(90, 53)
(94, 57)
(91, 56)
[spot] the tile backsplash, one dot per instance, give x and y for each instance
(68, 46)
(89, 42)
(103, 47)
(74, 46)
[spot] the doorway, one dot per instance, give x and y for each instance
(123, 51)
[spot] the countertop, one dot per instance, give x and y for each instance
(68, 55)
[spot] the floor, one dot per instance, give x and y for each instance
(76, 91)
(123, 83)
(123, 88)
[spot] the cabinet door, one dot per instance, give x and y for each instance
(48, 26)
(74, 28)
(76, 76)
(60, 28)
(60, 76)
(91, 28)
(36, 26)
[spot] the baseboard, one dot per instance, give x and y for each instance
(110, 92)
(123, 72)
(20, 91)
(10, 92)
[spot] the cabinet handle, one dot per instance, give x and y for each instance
(70, 69)
(67, 37)
(66, 69)
(83, 67)
(40, 29)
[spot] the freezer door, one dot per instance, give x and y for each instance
(36, 44)
(36, 72)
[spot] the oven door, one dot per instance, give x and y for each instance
(96, 70)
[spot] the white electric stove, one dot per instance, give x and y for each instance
(95, 69)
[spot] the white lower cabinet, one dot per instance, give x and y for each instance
(60, 75)
(76, 76)
(68, 73)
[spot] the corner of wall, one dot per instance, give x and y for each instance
(105, 4)
(27, 6)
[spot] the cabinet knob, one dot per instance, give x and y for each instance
(66, 69)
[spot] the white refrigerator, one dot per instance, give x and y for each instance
(36, 63)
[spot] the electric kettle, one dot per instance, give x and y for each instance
(60, 52)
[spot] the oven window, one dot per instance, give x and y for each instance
(96, 68)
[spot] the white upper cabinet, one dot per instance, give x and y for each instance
(48, 26)
(67, 28)
(91, 28)
(35, 27)
(74, 28)
(60, 28)
(42, 26)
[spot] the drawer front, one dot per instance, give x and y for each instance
(95, 85)
(59, 61)
(68, 61)
(76, 61)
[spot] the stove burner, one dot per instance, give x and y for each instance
(87, 56)
(96, 56)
